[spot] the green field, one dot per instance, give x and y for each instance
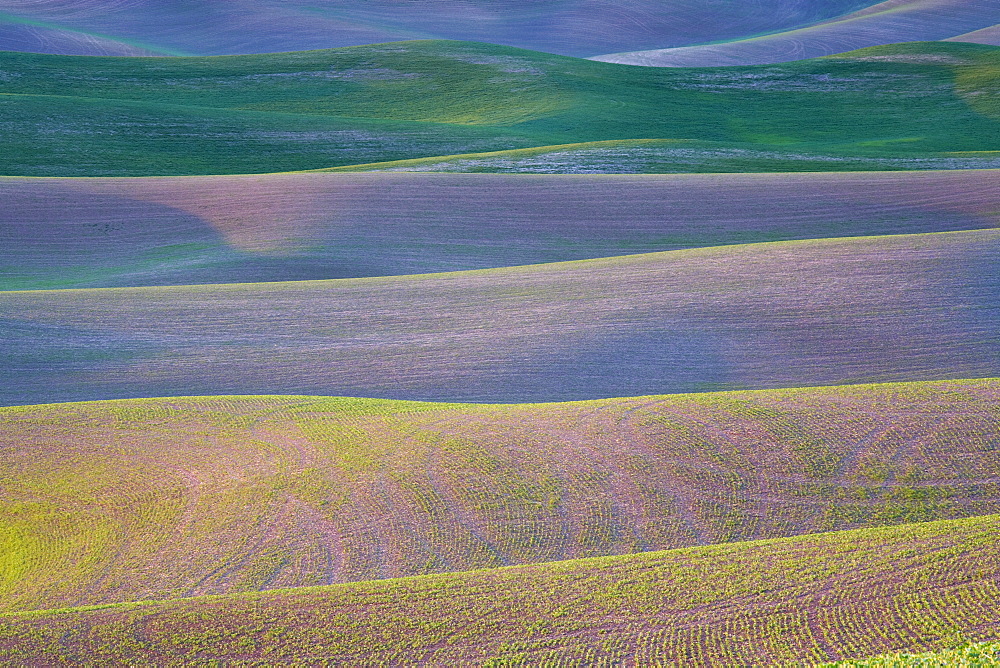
(891, 107)
(970, 655)
(932, 586)
(119, 501)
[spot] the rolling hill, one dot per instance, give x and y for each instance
(886, 22)
(921, 105)
(570, 27)
(777, 602)
(671, 32)
(989, 35)
(816, 312)
(72, 233)
(153, 499)
(966, 654)
(667, 156)
(732, 324)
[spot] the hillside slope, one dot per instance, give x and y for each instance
(887, 22)
(891, 107)
(966, 654)
(570, 27)
(669, 156)
(127, 500)
(818, 312)
(69, 233)
(782, 602)
(989, 35)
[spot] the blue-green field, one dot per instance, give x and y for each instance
(924, 105)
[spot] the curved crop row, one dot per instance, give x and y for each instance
(127, 500)
(799, 600)
(967, 655)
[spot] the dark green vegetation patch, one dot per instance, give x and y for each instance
(892, 107)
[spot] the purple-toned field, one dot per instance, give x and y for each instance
(674, 32)
(783, 602)
(154, 499)
(68, 233)
(990, 35)
(822, 312)
(883, 23)
(572, 27)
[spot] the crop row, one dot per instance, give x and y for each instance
(152, 499)
(966, 655)
(807, 599)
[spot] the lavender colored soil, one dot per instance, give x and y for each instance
(906, 307)
(68, 233)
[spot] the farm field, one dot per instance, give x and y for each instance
(212, 495)
(911, 106)
(789, 601)
(880, 23)
(916, 307)
(967, 654)
(75, 233)
(673, 32)
(569, 27)
(667, 156)
(990, 35)
(464, 332)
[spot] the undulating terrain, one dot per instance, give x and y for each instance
(570, 27)
(790, 601)
(878, 23)
(922, 105)
(461, 332)
(817, 312)
(284, 491)
(100, 232)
